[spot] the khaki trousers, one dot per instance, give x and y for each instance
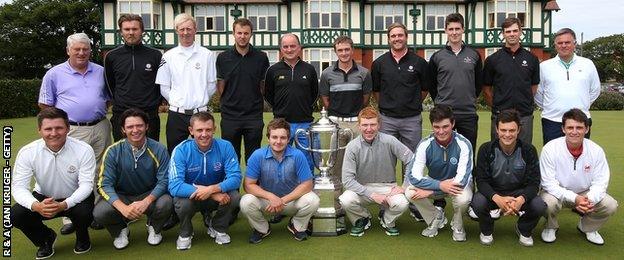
(590, 222)
(300, 209)
(428, 210)
(355, 205)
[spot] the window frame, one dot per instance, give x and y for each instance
(494, 14)
(398, 10)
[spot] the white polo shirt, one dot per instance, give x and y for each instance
(562, 89)
(67, 173)
(564, 177)
(187, 76)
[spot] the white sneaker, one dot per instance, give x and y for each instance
(220, 238)
(593, 237)
(525, 241)
(486, 240)
(153, 238)
(472, 214)
(549, 235)
(121, 241)
(459, 235)
(495, 213)
(184, 243)
(438, 222)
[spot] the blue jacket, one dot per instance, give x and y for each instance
(121, 174)
(189, 165)
(453, 161)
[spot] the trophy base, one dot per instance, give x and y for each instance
(328, 226)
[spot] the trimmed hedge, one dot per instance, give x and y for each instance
(608, 100)
(18, 98)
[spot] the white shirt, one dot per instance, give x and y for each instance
(564, 178)
(562, 89)
(187, 76)
(67, 173)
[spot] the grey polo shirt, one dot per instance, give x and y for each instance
(345, 90)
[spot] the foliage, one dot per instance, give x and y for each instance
(33, 34)
(608, 100)
(607, 53)
(19, 98)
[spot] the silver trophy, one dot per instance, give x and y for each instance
(324, 137)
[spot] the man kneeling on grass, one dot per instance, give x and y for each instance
(278, 181)
(133, 181)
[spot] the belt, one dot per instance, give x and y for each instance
(188, 111)
(344, 119)
(92, 123)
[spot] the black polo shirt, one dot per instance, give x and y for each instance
(292, 91)
(345, 90)
(399, 84)
(511, 76)
(241, 98)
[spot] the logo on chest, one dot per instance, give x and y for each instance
(525, 63)
(453, 160)
(587, 168)
(469, 60)
(72, 169)
(410, 68)
(217, 166)
(148, 67)
(197, 66)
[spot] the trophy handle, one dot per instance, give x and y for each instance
(343, 131)
(306, 133)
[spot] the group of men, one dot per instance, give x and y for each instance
(138, 176)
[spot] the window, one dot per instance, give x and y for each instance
(385, 15)
(148, 10)
(319, 58)
(377, 53)
(429, 53)
(490, 51)
(326, 14)
(499, 10)
(273, 56)
(210, 18)
(436, 15)
(263, 17)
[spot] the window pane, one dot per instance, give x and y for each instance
(501, 6)
(387, 9)
(209, 24)
(521, 6)
(156, 21)
(200, 10)
(273, 10)
(220, 9)
(156, 8)
(378, 10)
(145, 7)
(325, 20)
(491, 20)
(440, 22)
(263, 10)
(500, 18)
(124, 7)
(314, 7)
(379, 23)
(335, 6)
(522, 17)
(261, 23)
(316, 65)
(314, 20)
(430, 23)
(511, 15)
(272, 26)
(325, 7)
(254, 22)
(324, 66)
(511, 7)
(135, 7)
(399, 9)
(335, 20)
(201, 23)
(388, 21)
(315, 55)
(147, 18)
(220, 23)
(490, 6)
(398, 19)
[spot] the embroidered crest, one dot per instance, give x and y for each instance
(453, 160)
(587, 168)
(525, 63)
(72, 169)
(468, 60)
(217, 166)
(148, 67)
(410, 68)
(197, 66)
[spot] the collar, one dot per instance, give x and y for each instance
(508, 50)
(497, 143)
(268, 154)
(193, 48)
(74, 71)
(251, 50)
(46, 148)
(353, 67)
(448, 46)
(287, 64)
(133, 46)
(139, 151)
(375, 140)
(399, 56)
(567, 64)
(196, 146)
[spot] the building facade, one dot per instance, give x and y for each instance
(319, 22)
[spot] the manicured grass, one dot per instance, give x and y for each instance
(374, 244)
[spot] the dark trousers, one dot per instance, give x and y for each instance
(186, 209)
(177, 129)
(467, 125)
(31, 222)
(237, 130)
(533, 211)
(153, 131)
(552, 130)
(157, 213)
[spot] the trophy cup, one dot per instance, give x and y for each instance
(323, 137)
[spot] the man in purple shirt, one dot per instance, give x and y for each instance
(77, 87)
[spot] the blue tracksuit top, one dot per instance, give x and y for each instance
(189, 165)
(453, 161)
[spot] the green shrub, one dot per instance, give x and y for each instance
(608, 100)
(19, 97)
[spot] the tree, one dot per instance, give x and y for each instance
(33, 34)
(607, 53)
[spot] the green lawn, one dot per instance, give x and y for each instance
(374, 244)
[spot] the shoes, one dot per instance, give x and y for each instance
(82, 247)
(525, 241)
(360, 225)
(390, 231)
(486, 240)
(121, 241)
(47, 249)
(256, 236)
(593, 237)
(96, 226)
(298, 235)
(171, 222)
(459, 235)
(276, 219)
(472, 214)
(184, 243)
(416, 215)
(495, 213)
(67, 229)
(549, 235)
(152, 237)
(438, 222)
(220, 238)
